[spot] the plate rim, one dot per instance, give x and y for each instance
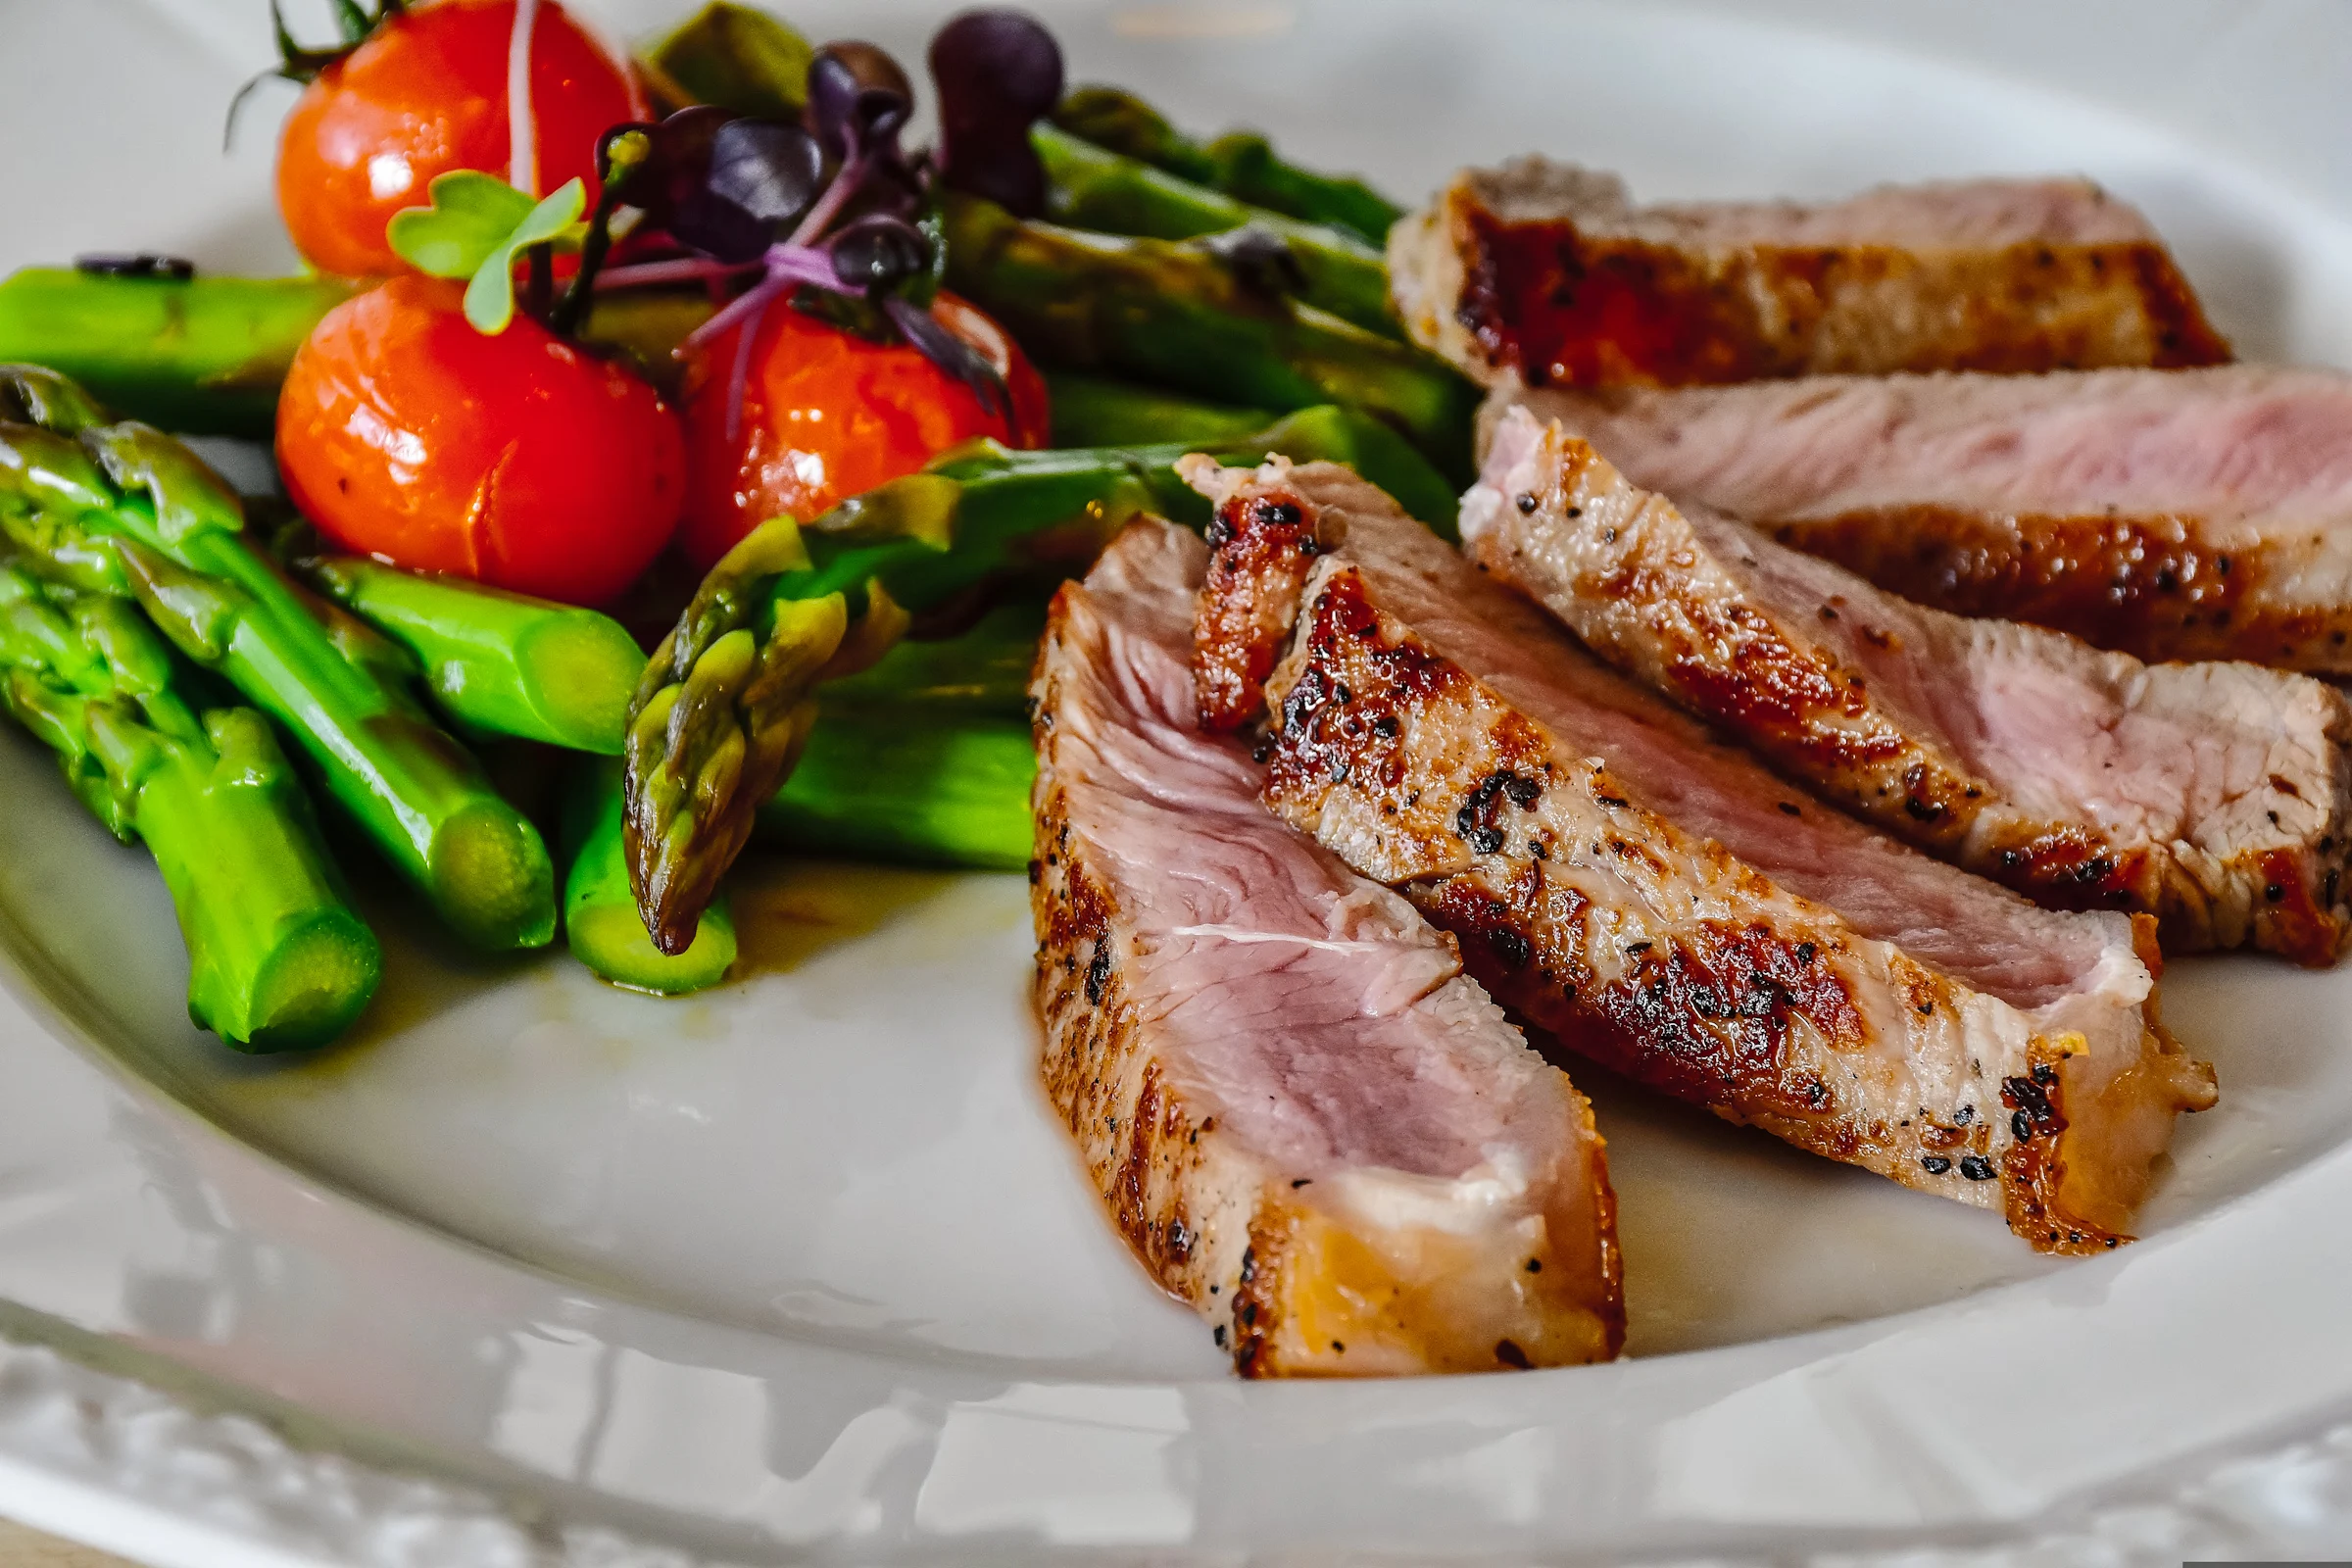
(27, 1335)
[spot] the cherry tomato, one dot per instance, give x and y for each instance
(828, 414)
(424, 94)
(519, 460)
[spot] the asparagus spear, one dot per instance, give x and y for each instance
(737, 56)
(646, 326)
(725, 705)
(922, 760)
(1098, 189)
(599, 912)
(207, 354)
(1092, 411)
(982, 672)
(125, 509)
(916, 786)
(500, 663)
(203, 354)
(1243, 165)
(277, 960)
(1176, 314)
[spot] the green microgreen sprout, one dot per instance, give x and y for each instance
(475, 228)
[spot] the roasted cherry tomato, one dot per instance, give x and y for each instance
(827, 414)
(520, 460)
(424, 94)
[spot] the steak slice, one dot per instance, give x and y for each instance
(1660, 902)
(1539, 273)
(2211, 795)
(1305, 1119)
(2190, 514)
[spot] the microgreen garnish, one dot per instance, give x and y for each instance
(997, 72)
(476, 227)
(760, 178)
(832, 216)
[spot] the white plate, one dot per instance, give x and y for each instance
(531, 1270)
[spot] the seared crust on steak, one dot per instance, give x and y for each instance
(1546, 273)
(2211, 795)
(1645, 893)
(1307, 1121)
(2182, 514)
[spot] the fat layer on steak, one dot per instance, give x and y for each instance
(1305, 1119)
(1541, 273)
(1662, 903)
(2169, 514)
(2211, 795)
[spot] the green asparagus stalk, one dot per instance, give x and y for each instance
(1243, 165)
(1092, 411)
(203, 354)
(1175, 315)
(207, 355)
(1098, 189)
(122, 509)
(938, 786)
(646, 326)
(277, 960)
(600, 911)
(982, 672)
(737, 56)
(498, 663)
(727, 703)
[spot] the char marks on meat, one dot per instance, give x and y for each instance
(2171, 515)
(1660, 902)
(1547, 274)
(1307, 1120)
(2211, 795)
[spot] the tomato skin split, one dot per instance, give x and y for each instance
(827, 414)
(521, 461)
(426, 93)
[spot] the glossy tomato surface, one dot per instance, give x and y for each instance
(827, 414)
(520, 460)
(425, 94)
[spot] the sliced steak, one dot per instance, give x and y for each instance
(2211, 795)
(1307, 1120)
(2190, 514)
(1546, 273)
(1660, 902)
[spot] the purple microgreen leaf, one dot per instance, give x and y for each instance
(997, 71)
(879, 251)
(676, 161)
(763, 174)
(858, 100)
(951, 353)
